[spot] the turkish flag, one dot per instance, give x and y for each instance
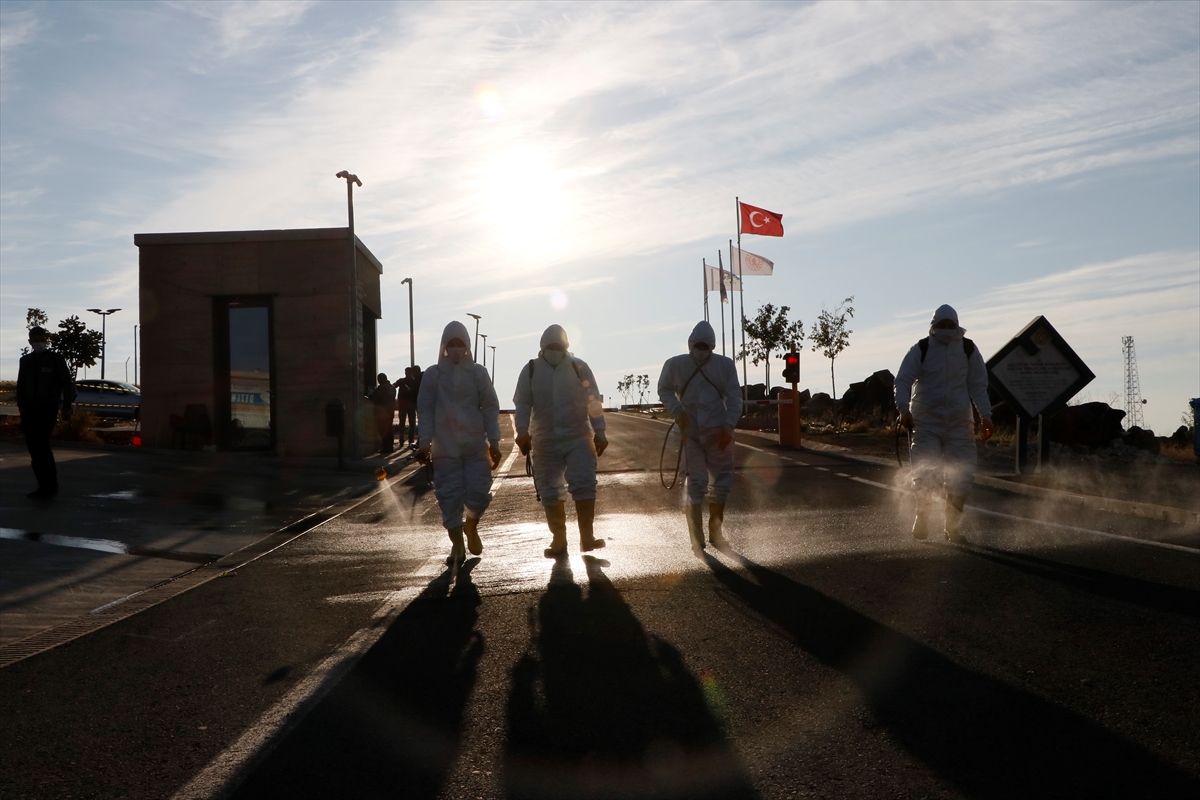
(761, 221)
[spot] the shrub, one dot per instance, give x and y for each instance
(78, 428)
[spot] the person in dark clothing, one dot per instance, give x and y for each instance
(384, 399)
(44, 386)
(406, 404)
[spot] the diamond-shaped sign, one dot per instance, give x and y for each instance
(1037, 372)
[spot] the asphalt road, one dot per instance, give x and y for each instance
(828, 654)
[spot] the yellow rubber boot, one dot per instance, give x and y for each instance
(920, 527)
(585, 511)
(695, 520)
(716, 518)
(471, 528)
(556, 519)
(954, 512)
(458, 553)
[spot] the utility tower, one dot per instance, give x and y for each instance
(1133, 389)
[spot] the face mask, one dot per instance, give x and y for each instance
(39, 347)
(455, 354)
(553, 357)
(946, 336)
(700, 355)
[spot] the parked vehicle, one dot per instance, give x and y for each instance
(108, 398)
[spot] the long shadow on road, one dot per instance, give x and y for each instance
(985, 737)
(600, 709)
(391, 728)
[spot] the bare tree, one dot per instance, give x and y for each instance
(831, 336)
(643, 386)
(770, 332)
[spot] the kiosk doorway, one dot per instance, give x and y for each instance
(244, 383)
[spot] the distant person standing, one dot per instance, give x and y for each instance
(406, 405)
(941, 376)
(44, 387)
(384, 400)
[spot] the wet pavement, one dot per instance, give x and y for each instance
(827, 654)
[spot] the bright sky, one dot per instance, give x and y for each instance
(573, 163)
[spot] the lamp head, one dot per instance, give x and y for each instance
(95, 311)
(476, 316)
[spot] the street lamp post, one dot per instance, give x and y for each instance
(475, 344)
(135, 357)
(351, 180)
(103, 334)
(493, 363)
(412, 347)
(484, 337)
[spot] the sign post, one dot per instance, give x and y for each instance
(1036, 373)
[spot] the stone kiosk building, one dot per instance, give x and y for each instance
(246, 336)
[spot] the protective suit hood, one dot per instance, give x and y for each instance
(554, 335)
(454, 330)
(945, 312)
(703, 332)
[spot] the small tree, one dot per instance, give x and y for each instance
(36, 318)
(625, 388)
(831, 336)
(643, 386)
(770, 332)
(74, 342)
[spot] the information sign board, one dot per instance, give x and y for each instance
(1037, 372)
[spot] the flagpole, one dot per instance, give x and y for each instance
(724, 294)
(738, 210)
(704, 275)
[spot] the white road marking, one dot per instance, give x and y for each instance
(1089, 531)
(291, 708)
(305, 695)
(102, 545)
(498, 481)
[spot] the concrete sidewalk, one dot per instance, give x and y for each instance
(127, 519)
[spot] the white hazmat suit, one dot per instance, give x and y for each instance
(700, 390)
(937, 383)
(558, 409)
(458, 420)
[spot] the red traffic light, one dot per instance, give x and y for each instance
(791, 367)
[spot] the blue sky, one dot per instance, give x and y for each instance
(1012, 160)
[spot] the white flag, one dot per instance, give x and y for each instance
(712, 280)
(752, 264)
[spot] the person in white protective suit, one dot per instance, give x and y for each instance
(458, 418)
(560, 425)
(941, 376)
(700, 390)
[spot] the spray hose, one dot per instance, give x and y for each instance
(678, 459)
(529, 474)
(900, 428)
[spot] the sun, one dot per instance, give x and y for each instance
(524, 199)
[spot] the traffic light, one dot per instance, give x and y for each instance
(791, 367)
